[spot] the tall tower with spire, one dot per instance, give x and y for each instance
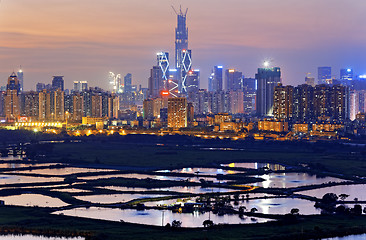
(12, 103)
(183, 61)
(181, 36)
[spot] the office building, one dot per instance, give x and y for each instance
(267, 80)
(58, 82)
(346, 74)
(250, 92)
(324, 75)
(193, 81)
(128, 83)
(12, 98)
(156, 82)
(234, 80)
(185, 68)
(215, 80)
(20, 75)
(181, 36)
(310, 81)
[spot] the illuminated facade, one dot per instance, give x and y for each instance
(20, 75)
(59, 107)
(156, 82)
(267, 80)
(181, 36)
(177, 112)
(186, 67)
(80, 86)
(78, 107)
(283, 102)
(303, 103)
(45, 113)
(324, 74)
(346, 74)
(234, 80)
(30, 105)
(193, 81)
(12, 98)
(215, 79)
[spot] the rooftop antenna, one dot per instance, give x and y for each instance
(172, 7)
(180, 11)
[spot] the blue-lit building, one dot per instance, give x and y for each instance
(215, 80)
(346, 74)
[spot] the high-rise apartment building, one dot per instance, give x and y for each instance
(30, 105)
(177, 112)
(267, 80)
(303, 103)
(283, 102)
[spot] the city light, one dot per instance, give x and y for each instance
(266, 64)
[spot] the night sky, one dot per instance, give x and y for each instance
(85, 39)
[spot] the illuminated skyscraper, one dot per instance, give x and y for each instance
(21, 79)
(346, 74)
(59, 107)
(283, 102)
(185, 67)
(163, 63)
(267, 80)
(58, 82)
(215, 80)
(156, 82)
(234, 80)
(193, 81)
(177, 112)
(324, 74)
(12, 100)
(128, 83)
(78, 107)
(181, 36)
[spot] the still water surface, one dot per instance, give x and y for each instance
(116, 198)
(158, 217)
(288, 180)
(30, 200)
(354, 191)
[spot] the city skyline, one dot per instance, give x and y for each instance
(82, 42)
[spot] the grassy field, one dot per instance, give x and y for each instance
(309, 227)
(122, 154)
